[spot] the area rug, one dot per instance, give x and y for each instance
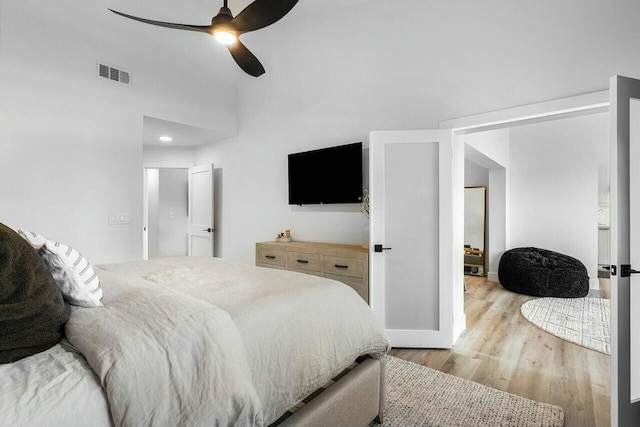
(583, 321)
(421, 396)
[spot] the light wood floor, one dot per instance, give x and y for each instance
(501, 349)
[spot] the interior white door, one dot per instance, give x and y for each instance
(201, 230)
(415, 226)
(624, 113)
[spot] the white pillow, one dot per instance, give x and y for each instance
(72, 273)
(36, 240)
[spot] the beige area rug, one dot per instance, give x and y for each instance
(583, 321)
(421, 396)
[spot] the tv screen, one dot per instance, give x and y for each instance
(329, 175)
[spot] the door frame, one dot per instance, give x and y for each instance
(625, 411)
(145, 199)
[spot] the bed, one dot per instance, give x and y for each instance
(205, 341)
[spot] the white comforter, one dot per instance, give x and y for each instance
(203, 341)
(165, 358)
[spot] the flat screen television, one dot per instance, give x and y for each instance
(328, 175)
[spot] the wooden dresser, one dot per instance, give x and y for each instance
(348, 264)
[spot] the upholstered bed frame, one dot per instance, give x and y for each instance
(354, 399)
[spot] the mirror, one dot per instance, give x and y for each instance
(475, 202)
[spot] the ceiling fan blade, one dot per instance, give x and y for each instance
(262, 13)
(201, 28)
(245, 59)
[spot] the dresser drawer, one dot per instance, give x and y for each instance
(303, 261)
(266, 255)
(342, 266)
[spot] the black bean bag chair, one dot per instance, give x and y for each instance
(543, 273)
(32, 311)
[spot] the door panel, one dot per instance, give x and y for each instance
(201, 229)
(411, 183)
(411, 187)
(625, 204)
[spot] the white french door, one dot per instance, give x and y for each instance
(416, 238)
(624, 113)
(201, 229)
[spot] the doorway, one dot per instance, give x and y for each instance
(166, 216)
(554, 188)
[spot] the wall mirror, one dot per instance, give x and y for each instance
(475, 204)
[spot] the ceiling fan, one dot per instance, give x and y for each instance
(226, 29)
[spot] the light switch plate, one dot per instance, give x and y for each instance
(119, 218)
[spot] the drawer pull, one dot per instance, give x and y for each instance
(270, 256)
(341, 266)
(303, 261)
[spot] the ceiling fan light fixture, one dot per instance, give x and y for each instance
(226, 29)
(225, 37)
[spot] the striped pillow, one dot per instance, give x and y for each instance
(72, 273)
(36, 240)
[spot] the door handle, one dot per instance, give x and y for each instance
(627, 271)
(208, 230)
(379, 248)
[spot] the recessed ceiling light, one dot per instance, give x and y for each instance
(165, 138)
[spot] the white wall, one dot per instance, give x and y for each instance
(70, 142)
(553, 179)
(475, 175)
(169, 156)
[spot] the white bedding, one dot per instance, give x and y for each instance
(296, 332)
(54, 388)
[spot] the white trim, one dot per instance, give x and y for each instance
(492, 277)
(145, 216)
(168, 165)
(590, 103)
(418, 338)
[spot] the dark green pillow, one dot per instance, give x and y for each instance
(32, 311)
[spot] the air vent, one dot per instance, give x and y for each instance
(114, 74)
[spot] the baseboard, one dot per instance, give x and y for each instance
(492, 277)
(459, 326)
(594, 284)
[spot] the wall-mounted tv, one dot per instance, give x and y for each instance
(328, 175)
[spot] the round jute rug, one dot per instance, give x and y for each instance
(421, 396)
